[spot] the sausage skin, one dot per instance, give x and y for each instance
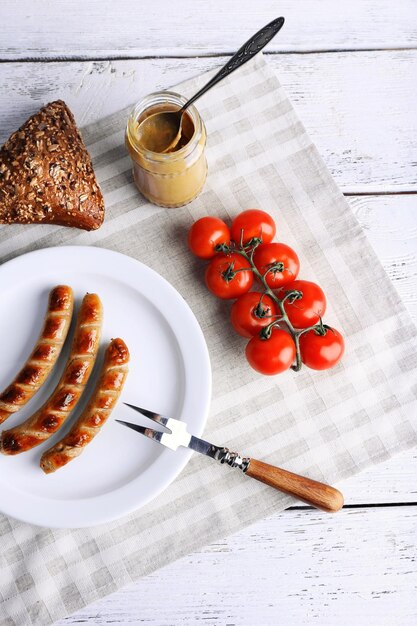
(50, 417)
(109, 387)
(44, 355)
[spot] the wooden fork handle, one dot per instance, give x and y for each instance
(311, 492)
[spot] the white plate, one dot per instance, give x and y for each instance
(170, 373)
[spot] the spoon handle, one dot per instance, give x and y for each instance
(246, 52)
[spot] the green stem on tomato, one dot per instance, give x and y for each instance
(275, 267)
(266, 331)
(298, 363)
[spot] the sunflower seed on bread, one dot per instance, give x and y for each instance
(46, 174)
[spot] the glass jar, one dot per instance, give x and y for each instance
(175, 178)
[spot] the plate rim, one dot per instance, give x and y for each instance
(182, 456)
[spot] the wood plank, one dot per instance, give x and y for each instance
(358, 109)
(391, 482)
(297, 567)
(391, 226)
(104, 28)
(368, 141)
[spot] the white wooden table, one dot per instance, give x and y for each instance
(350, 69)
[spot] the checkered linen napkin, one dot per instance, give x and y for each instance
(328, 425)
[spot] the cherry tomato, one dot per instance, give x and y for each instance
(253, 223)
(269, 254)
(320, 352)
(307, 310)
(249, 313)
(271, 356)
(205, 234)
(227, 277)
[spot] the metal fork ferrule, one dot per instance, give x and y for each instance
(233, 459)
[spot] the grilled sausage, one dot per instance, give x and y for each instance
(112, 378)
(50, 417)
(44, 355)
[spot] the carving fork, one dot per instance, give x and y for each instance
(310, 491)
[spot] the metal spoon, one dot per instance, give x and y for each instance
(161, 132)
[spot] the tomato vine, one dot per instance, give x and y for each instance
(247, 251)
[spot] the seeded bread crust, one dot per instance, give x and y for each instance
(46, 174)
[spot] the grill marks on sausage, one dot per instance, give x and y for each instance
(54, 327)
(13, 395)
(107, 392)
(90, 313)
(77, 371)
(114, 379)
(118, 352)
(78, 439)
(95, 419)
(15, 444)
(48, 423)
(60, 299)
(29, 376)
(105, 400)
(44, 355)
(50, 417)
(58, 460)
(44, 352)
(64, 400)
(87, 339)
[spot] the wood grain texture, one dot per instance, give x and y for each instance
(309, 491)
(295, 568)
(104, 28)
(369, 143)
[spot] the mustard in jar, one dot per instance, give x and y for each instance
(174, 178)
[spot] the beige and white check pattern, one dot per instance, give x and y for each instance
(328, 425)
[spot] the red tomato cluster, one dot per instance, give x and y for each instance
(277, 319)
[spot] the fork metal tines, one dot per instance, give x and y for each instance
(176, 436)
(156, 417)
(148, 432)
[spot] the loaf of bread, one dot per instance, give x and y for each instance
(46, 175)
